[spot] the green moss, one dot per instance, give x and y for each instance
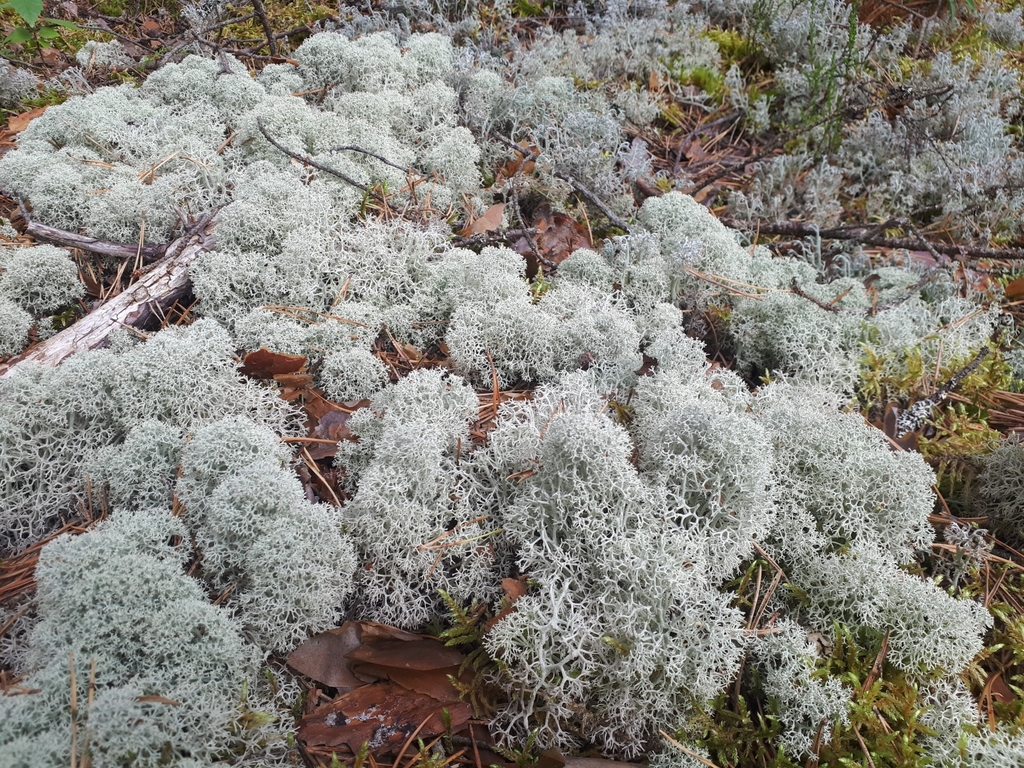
(740, 50)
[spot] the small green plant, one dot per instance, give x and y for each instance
(467, 629)
(35, 28)
(528, 756)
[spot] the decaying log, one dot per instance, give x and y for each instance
(155, 292)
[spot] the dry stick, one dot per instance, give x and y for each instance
(299, 30)
(593, 198)
(88, 707)
(689, 752)
(495, 236)
(408, 741)
(211, 28)
(863, 746)
(757, 598)
(313, 163)
(476, 749)
(354, 148)
(939, 258)
(913, 417)
(876, 668)
(817, 302)
(67, 239)
(257, 5)
(529, 232)
(316, 471)
(865, 233)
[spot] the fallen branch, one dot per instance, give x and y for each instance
(914, 417)
(867, 234)
(65, 239)
(149, 297)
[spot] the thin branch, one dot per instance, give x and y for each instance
(804, 295)
(257, 6)
(490, 238)
(160, 286)
(319, 166)
(914, 417)
(354, 148)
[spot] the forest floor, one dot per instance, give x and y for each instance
(718, 156)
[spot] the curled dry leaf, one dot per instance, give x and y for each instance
(1014, 290)
(517, 164)
(557, 237)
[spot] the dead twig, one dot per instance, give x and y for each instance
(686, 751)
(490, 238)
(319, 166)
(162, 285)
(817, 302)
(368, 153)
(261, 12)
(867, 234)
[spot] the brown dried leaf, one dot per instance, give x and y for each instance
(559, 235)
(331, 426)
(19, 123)
(490, 220)
(516, 164)
(382, 715)
(423, 653)
(372, 631)
(514, 588)
(50, 56)
(296, 380)
(264, 364)
(1015, 289)
(322, 657)
(434, 683)
(551, 758)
